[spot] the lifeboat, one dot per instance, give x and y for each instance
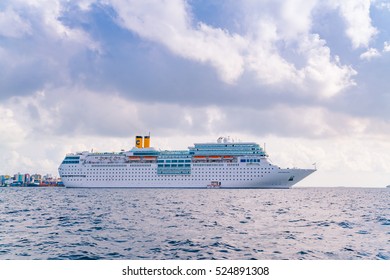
(149, 158)
(134, 158)
(214, 157)
(199, 158)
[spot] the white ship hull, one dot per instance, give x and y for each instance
(132, 178)
(228, 166)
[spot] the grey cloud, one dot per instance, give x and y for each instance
(150, 76)
(40, 58)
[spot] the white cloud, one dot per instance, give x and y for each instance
(169, 23)
(51, 12)
(309, 68)
(12, 25)
(42, 54)
(294, 121)
(20, 15)
(374, 53)
(263, 57)
(382, 4)
(296, 17)
(356, 14)
(317, 73)
(356, 144)
(85, 5)
(386, 46)
(9, 127)
(322, 73)
(370, 54)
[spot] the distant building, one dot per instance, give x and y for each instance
(6, 180)
(27, 178)
(48, 177)
(20, 178)
(36, 177)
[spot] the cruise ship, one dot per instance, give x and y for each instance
(223, 164)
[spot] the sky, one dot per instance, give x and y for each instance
(307, 79)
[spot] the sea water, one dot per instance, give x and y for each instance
(166, 224)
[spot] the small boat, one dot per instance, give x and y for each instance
(214, 185)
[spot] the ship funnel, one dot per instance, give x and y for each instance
(146, 141)
(138, 141)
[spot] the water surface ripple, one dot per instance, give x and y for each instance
(301, 223)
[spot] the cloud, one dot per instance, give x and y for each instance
(386, 46)
(324, 73)
(254, 51)
(309, 67)
(85, 5)
(169, 23)
(356, 14)
(259, 51)
(370, 54)
(9, 128)
(374, 53)
(45, 17)
(12, 25)
(294, 121)
(382, 4)
(80, 113)
(37, 47)
(295, 135)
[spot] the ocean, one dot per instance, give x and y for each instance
(168, 224)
